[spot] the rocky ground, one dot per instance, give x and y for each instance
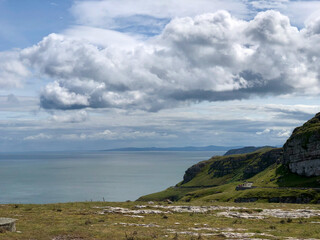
(162, 220)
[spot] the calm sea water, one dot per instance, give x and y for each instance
(85, 176)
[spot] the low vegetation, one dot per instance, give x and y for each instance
(218, 178)
(77, 221)
(211, 202)
(310, 127)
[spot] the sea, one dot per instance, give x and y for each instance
(56, 177)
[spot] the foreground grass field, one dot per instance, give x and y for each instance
(138, 220)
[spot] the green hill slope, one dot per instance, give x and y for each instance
(217, 178)
(290, 174)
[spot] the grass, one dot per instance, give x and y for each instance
(172, 193)
(280, 176)
(313, 125)
(220, 170)
(82, 221)
(306, 131)
(274, 176)
(214, 184)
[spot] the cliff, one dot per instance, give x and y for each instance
(288, 174)
(221, 169)
(302, 149)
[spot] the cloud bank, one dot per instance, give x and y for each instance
(115, 13)
(12, 70)
(209, 57)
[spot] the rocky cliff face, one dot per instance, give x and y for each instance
(301, 152)
(248, 164)
(193, 171)
(252, 163)
(263, 162)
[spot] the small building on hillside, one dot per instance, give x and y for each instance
(244, 186)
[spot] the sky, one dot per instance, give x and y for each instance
(102, 74)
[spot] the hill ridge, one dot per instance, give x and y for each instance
(188, 148)
(269, 169)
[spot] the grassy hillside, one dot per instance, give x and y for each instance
(224, 169)
(311, 126)
(217, 178)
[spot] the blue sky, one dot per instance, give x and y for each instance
(24, 23)
(104, 74)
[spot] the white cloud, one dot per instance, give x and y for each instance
(12, 71)
(101, 37)
(269, 4)
(266, 131)
(281, 133)
(17, 104)
(235, 121)
(73, 117)
(297, 108)
(40, 136)
(301, 11)
(284, 134)
(104, 135)
(210, 57)
(125, 135)
(126, 14)
(102, 13)
(72, 137)
(57, 95)
(194, 58)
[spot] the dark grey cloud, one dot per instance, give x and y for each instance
(259, 88)
(293, 113)
(296, 115)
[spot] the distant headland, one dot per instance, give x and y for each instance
(189, 148)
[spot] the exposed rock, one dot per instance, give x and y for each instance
(224, 234)
(291, 238)
(253, 163)
(217, 229)
(277, 213)
(292, 199)
(221, 211)
(193, 171)
(8, 224)
(189, 233)
(137, 225)
(228, 165)
(240, 200)
(127, 211)
(265, 161)
(67, 237)
(134, 216)
(196, 209)
(302, 149)
(243, 215)
(242, 211)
